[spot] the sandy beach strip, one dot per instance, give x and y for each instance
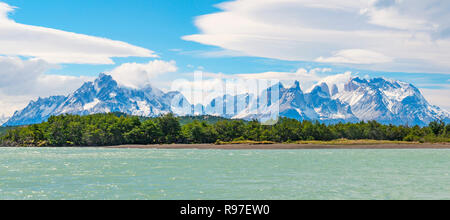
(284, 146)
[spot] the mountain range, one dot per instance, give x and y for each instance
(384, 100)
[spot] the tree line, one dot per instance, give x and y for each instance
(113, 129)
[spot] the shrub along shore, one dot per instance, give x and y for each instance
(118, 129)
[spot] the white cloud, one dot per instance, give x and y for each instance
(339, 80)
(356, 56)
(4, 10)
(56, 46)
(212, 85)
(10, 104)
(438, 97)
(307, 78)
(24, 80)
(139, 75)
(49, 85)
(396, 35)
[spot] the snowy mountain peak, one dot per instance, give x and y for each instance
(388, 101)
(339, 98)
(321, 90)
(296, 85)
(105, 81)
(277, 87)
(100, 96)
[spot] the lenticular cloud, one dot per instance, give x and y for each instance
(407, 35)
(56, 46)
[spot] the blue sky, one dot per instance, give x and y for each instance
(157, 25)
(232, 38)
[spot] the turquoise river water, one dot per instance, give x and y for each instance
(98, 173)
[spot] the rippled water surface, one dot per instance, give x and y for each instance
(96, 173)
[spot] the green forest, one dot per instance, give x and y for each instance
(118, 129)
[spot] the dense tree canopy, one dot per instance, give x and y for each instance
(114, 129)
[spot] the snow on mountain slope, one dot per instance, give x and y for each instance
(387, 101)
(36, 111)
(329, 109)
(293, 103)
(101, 96)
(264, 107)
(228, 106)
(339, 98)
(343, 98)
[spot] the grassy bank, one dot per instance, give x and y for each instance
(354, 142)
(332, 142)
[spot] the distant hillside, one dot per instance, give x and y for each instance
(206, 118)
(185, 119)
(3, 130)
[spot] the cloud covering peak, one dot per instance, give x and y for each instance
(140, 75)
